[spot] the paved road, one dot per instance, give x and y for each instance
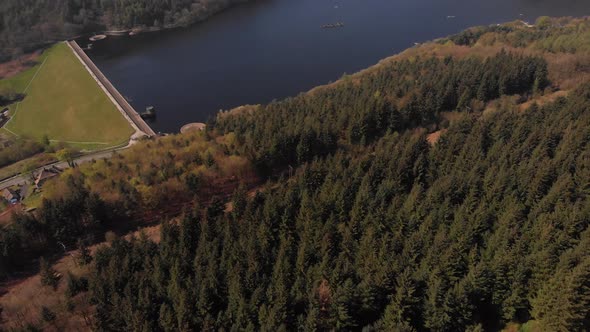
(22, 179)
(129, 111)
(127, 108)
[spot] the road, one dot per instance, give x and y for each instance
(142, 128)
(129, 112)
(19, 180)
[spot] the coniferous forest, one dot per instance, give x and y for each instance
(488, 226)
(380, 229)
(441, 190)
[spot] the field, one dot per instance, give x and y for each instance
(64, 103)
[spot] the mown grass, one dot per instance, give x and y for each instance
(65, 103)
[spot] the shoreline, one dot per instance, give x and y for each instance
(33, 48)
(138, 30)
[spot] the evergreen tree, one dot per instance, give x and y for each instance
(49, 277)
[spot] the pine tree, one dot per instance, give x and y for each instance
(47, 315)
(84, 256)
(49, 277)
(239, 201)
(404, 306)
(167, 318)
(562, 305)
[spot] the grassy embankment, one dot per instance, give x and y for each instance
(64, 103)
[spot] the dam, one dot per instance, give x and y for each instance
(136, 121)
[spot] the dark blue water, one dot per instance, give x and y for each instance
(271, 49)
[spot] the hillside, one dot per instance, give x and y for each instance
(444, 189)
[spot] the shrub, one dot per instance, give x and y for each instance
(47, 315)
(49, 277)
(76, 285)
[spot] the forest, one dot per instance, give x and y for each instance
(486, 227)
(118, 194)
(19, 150)
(407, 94)
(441, 190)
(29, 24)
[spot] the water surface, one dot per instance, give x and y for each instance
(271, 49)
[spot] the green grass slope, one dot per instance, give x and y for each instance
(65, 103)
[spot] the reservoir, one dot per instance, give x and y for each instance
(271, 49)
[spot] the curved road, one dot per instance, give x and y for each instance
(22, 179)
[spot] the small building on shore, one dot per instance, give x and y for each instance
(11, 196)
(46, 174)
(3, 116)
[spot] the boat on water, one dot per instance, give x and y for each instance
(88, 47)
(333, 25)
(150, 113)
